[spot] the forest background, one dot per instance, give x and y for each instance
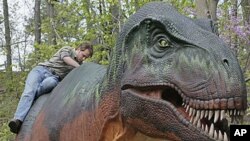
(55, 23)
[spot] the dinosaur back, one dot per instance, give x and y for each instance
(76, 94)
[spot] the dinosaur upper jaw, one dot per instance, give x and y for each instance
(211, 122)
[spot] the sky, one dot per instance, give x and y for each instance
(18, 11)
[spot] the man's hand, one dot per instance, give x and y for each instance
(70, 61)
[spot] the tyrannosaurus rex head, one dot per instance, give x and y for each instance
(179, 79)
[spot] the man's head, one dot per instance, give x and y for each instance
(84, 51)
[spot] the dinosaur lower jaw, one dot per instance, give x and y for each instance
(212, 122)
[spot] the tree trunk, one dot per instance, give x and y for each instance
(136, 5)
(246, 11)
(37, 22)
(246, 20)
(207, 8)
(51, 14)
(88, 17)
(7, 38)
(234, 44)
(213, 9)
(115, 12)
(202, 9)
(22, 63)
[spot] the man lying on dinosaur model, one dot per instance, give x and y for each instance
(44, 77)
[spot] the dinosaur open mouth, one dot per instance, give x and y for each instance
(212, 122)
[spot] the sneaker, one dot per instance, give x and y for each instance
(15, 125)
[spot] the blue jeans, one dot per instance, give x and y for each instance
(39, 81)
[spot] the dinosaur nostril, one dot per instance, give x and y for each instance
(225, 61)
(226, 66)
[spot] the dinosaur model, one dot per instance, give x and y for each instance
(170, 77)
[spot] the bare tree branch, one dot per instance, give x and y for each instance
(246, 64)
(247, 79)
(15, 43)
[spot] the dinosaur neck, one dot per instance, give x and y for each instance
(116, 130)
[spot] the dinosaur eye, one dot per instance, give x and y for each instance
(163, 43)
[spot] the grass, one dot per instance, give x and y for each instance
(8, 104)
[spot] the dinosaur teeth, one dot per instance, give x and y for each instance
(216, 116)
(206, 113)
(202, 127)
(220, 137)
(206, 129)
(210, 114)
(230, 112)
(202, 114)
(194, 112)
(208, 120)
(225, 137)
(199, 124)
(211, 130)
(235, 112)
(215, 135)
(187, 109)
(198, 113)
(222, 114)
(190, 112)
(192, 120)
(197, 118)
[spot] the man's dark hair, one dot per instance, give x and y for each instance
(86, 45)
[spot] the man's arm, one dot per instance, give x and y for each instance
(70, 61)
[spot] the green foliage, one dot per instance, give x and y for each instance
(14, 84)
(236, 34)
(5, 134)
(182, 5)
(42, 53)
(8, 103)
(1, 19)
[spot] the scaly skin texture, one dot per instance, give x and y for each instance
(170, 78)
